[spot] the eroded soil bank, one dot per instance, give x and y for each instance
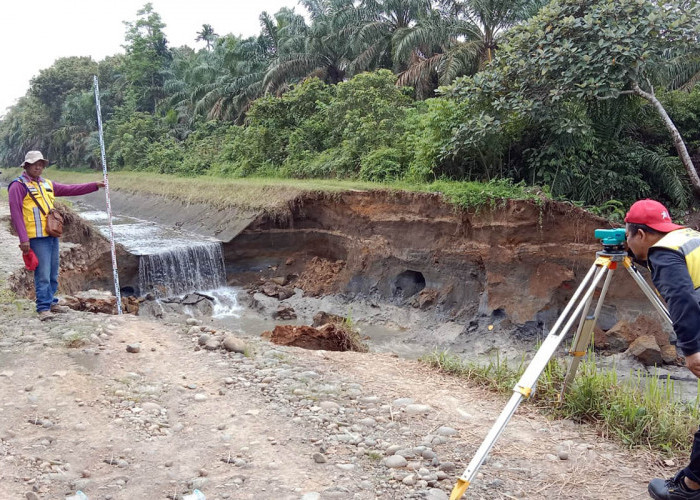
(80, 411)
(470, 280)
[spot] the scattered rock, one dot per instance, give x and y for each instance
(395, 462)
(425, 298)
(133, 348)
(285, 314)
(212, 344)
(274, 290)
(234, 344)
(417, 409)
(669, 354)
(446, 431)
(646, 350)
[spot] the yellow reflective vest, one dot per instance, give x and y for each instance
(34, 220)
(686, 242)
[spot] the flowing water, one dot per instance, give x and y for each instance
(171, 262)
(182, 270)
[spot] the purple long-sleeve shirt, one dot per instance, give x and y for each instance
(17, 192)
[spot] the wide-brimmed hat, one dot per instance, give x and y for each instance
(653, 214)
(33, 157)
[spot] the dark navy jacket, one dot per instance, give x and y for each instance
(669, 273)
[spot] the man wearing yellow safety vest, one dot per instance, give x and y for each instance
(672, 254)
(31, 198)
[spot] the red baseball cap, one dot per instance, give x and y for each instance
(30, 260)
(653, 214)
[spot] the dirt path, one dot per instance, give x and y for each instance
(77, 411)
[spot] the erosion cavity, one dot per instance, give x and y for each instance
(518, 260)
(408, 283)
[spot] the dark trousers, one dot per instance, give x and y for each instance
(692, 471)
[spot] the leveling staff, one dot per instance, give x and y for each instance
(672, 254)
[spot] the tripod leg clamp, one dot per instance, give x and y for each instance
(459, 489)
(525, 391)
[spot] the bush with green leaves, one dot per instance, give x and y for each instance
(204, 147)
(382, 165)
(367, 113)
(165, 156)
(129, 138)
(263, 143)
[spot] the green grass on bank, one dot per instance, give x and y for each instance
(272, 194)
(641, 411)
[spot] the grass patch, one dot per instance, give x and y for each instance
(640, 411)
(348, 336)
(272, 195)
(11, 303)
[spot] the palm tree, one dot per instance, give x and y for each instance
(207, 35)
(246, 64)
(222, 83)
(458, 39)
(323, 50)
(377, 23)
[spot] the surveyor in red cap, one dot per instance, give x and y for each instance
(672, 254)
(31, 199)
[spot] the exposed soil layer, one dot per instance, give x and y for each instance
(516, 262)
(513, 265)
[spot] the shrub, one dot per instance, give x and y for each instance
(382, 165)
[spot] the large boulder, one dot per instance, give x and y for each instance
(669, 354)
(646, 350)
(620, 337)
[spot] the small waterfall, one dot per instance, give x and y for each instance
(182, 270)
(225, 302)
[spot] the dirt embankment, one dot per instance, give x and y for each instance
(514, 265)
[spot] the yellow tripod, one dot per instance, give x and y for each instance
(607, 260)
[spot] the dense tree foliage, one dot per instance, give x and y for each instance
(573, 96)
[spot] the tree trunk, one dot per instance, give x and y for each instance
(677, 139)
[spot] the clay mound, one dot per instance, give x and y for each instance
(320, 276)
(329, 337)
(101, 304)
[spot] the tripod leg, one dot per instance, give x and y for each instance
(523, 389)
(583, 335)
(647, 290)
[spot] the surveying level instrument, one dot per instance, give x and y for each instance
(607, 260)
